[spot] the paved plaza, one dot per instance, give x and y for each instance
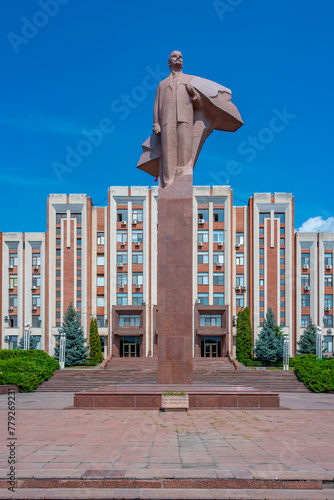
(285, 444)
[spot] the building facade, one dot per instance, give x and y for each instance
(104, 261)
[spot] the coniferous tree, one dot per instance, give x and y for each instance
(32, 343)
(267, 343)
(244, 337)
(308, 340)
(76, 350)
(94, 343)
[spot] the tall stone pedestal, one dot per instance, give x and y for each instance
(175, 304)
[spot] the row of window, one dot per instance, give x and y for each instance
(218, 236)
(263, 216)
(305, 259)
(36, 259)
(328, 302)
(64, 216)
(203, 257)
(203, 278)
(122, 215)
(218, 215)
(306, 321)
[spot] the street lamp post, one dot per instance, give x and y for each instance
(26, 337)
(62, 348)
(319, 343)
(286, 352)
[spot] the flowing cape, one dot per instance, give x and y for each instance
(216, 112)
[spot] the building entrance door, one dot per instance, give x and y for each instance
(129, 347)
(130, 350)
(211, 347)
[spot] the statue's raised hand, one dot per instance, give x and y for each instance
(190, 89)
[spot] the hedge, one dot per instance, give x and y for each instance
(316, 374)
(26, 369)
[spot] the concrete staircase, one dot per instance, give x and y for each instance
(215, 371)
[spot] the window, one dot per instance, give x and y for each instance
(204, 215)
(36, 322)
(282, 230)
(203, 258)
(13, 280)
(261, 314)
(282, 304)
(328, 343)
(137, 258)
(58, 284)
(137, 236)
(79, 231)
(282, 261)
(218, 215)
(38, 340)
(282, 293)
(79, 252)
(137, 215)
(261, 293)
(202, 279)
(36, 259)
(282, 282)
(12, 342)
(137, 299)
(240, 259)
(100, 301)
(79, 293)
(261, 241)
(122, 237)
(261, 230)
(261, 261)
(203, 236)
(218, 257)
(261, 303)
(12, 321)
(129, 319)
(282, 242)
(239, 280)
(261, 218)
(305, 259)
(77, 216)
(305, 321)
(282, 271)
(240, 301)
(261, 282)
(261, 251)
(122, 258)
(79, 241)
(58, 315)
(218, 278)
(239, 238)
(329, 301)
(79, 304)
(58, 251)
(78, 272)
(282, 314)
(328, 280)
(122, 279)
(282, 218)
(59, 217)
(13, 301)
(100, 280)
(100, 321)
(58, 273)
(122, 299)
(328, 321)
(100, 260)
(210, 320)
(13, 259)
(261, 272)
(282, 252)
(122, 215)
(100, 238)
(203, 299)
(58, 230)
(305, 301)
(328, 259)
(218, 236)
(218, 299)
(137, 278)
(36, 300)
(79, 283)
(58, 262)
(58, 294)
(58, 241)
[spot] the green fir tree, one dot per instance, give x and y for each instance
(76, 350)
(268, 344)
(308, 340)
(32, 343)
(94, 343)
(244, 337)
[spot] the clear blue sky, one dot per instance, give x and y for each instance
(75, 68)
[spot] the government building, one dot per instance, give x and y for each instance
(104, 261)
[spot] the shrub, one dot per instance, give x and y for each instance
(316, 374)
(269, 343)
(26, 369)
(76, 350)
(308, 340)
(95, 344)
(244, 337)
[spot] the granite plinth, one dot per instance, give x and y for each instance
(200, 397)
(175, 303)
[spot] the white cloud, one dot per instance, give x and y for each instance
(317, 224)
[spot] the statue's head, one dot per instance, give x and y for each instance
(175, 60)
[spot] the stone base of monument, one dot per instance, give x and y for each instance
(149, 397)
